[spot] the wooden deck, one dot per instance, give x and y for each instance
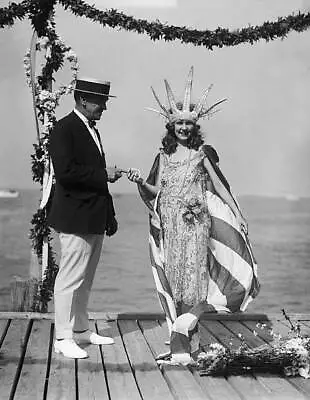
(30, 369)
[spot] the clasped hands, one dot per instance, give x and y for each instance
(114, 173)
(133, 174)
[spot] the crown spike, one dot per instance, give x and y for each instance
(156, 111)
(159, 103)
(171, 99)
(188, 91)
(199, 106)
(208, 111)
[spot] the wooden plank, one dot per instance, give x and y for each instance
(151, 383)
(182, 383)
(12, 353)
(112, 316)
(61, 380)
(262, 329)
(32, 380)
(25, 315)
(120, 378)
(280, 387)
(218, 387)
(303, 385)
(243, 385)
(91, 382)
(4, 326)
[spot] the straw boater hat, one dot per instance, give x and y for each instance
(93, 86)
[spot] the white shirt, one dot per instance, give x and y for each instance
(90, 130)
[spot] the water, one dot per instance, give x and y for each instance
(279, 231)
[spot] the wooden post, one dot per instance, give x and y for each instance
(24, 292)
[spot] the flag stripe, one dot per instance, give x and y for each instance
(223, 232)
(230, 287)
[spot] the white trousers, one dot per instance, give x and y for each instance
(78, 263)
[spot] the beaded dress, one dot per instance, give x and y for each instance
(185, 225)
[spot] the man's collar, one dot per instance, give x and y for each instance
(80, 115)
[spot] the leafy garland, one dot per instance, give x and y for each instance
(39, 10)
(46, 101)
(284, 355)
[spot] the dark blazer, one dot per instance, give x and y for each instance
(81, 202)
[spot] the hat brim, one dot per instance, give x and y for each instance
(94, 93)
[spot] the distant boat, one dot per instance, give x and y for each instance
(8, 193)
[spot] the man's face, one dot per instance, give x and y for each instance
(94, 106)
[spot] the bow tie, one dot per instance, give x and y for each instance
(91, 123)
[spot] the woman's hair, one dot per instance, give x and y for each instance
(170, 143)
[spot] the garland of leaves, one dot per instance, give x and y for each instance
(38, 11)
(46, 102)
(284, 355)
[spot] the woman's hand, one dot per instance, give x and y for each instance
(134, 175)
(242, 223)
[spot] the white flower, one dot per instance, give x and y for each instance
(71, 54)
(43, 41)
(44, 95)
(217, 346)
(304, 371)
(48, 53)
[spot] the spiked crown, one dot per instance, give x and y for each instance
(186, 112)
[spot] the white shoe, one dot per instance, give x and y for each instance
(69, 349)
(92, 338)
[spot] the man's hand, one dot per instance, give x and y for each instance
(114, 174)
(111, 227)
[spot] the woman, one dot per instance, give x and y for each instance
(201, 258)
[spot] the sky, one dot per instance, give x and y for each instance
(262, 133)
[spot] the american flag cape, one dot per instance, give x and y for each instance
(232, 267)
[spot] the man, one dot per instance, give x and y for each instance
(81, 212)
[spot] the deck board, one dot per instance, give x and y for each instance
(29, 367)
(243, 385)
(121, 381)
(32, 379)
(151, 383)
(180, 380)
(4, 326)
(12, 353)
(303, 385)
(280, 388)
(61, 380)
(91, 382)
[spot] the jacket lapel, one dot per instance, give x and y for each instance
(82, 128)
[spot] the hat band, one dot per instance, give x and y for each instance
(95, 93)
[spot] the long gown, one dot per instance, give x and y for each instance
(200, 259)
(185, 224)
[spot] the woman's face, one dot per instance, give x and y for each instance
(183, 129)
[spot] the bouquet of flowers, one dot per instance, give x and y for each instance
(195, 209)
(290, 356)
